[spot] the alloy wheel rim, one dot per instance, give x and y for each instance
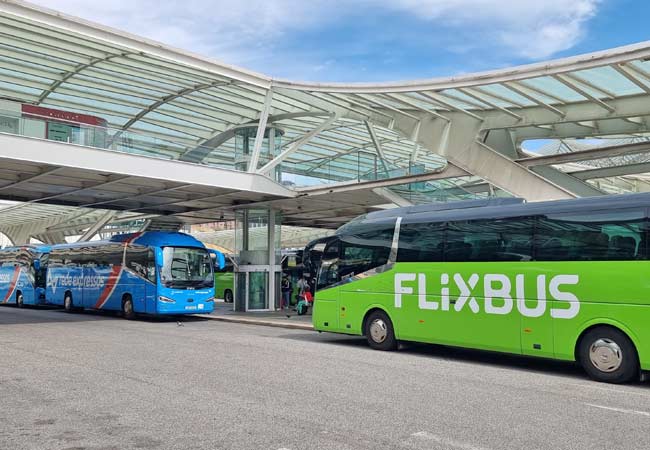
(605, 355)
(378, 331)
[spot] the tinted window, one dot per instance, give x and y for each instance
(364, 250)
(140, 261)
(597, 236)
(328, 272)
(489, 240)
(13, 258)
(108, 256)
(421, 242)
(56, 258)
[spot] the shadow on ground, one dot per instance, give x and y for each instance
(446, 353)
(12, 315)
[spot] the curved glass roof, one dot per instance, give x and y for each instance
(172, 104)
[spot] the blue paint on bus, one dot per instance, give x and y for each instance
(159, 272)
(22, 280)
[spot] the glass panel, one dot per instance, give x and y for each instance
(506, 94)
(258, 230)
(611, 235)
(609, 79)
(489, 240)
(553, 87)
(240, 291)
(257, 287)
(186, 267)
(421, 242)
(366, 248)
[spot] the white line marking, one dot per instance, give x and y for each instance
(621, 410)
(446, 442)
(618, 391)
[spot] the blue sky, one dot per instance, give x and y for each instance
(375, 40)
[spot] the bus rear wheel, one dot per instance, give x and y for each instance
(20, 300)
(608, 355)
(227, 296)
(127, 308)
(379, 331)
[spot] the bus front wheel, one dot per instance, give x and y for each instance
(227, 296)
(608, 355)
(127, 308)
(20, 300)
(379, 331)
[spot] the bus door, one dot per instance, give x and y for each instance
(151, 287)
(326, 303)
(136, 279)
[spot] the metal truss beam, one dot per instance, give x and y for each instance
(450, 171)
(261, 130)
(586, 155)
(377, 144)
(614, 171)
(296, 145)
(392, 197)
(97, 226)
(568, 182)
(568, 82)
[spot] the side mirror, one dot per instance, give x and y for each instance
(219, 259)
(37, 264)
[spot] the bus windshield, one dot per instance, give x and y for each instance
(185, 267)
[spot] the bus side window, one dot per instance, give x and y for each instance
(613, 235)
(421, 242)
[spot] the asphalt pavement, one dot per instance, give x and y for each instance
(96, 381)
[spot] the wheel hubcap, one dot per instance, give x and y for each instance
(128, 307)
(378, 331)
(67, 303)
(605, 355)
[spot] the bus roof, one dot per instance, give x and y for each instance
(147, 238)
(159, 239)
(501, 208)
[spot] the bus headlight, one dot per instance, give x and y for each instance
(166, 299)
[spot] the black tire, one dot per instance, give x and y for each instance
(68, 304)
(379, 331)
(127, 308)
(20, 300)
(608, 355)
(227, 296)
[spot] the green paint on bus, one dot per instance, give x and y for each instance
(529, 279)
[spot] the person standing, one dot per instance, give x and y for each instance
(286, 292)
(303, 285)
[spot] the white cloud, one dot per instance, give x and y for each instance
(219, 28)
(256, 33)
(531, 29)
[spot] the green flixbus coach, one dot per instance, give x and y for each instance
(566, 279)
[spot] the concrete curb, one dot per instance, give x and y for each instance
(263, 322)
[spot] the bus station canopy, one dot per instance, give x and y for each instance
(345, 148)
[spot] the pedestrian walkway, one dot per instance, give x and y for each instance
(282, 319)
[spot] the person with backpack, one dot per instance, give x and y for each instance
(285, 286)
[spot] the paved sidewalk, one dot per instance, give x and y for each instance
(281, 319)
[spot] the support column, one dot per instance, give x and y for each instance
(258, 260)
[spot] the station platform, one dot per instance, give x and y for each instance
(282, 319)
